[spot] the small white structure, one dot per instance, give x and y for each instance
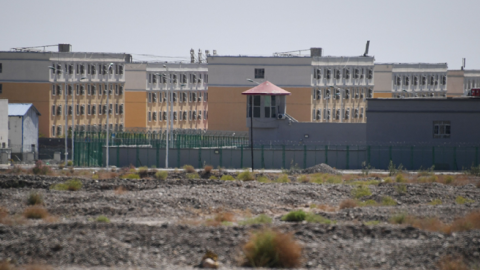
(3, 123)
(23, 129)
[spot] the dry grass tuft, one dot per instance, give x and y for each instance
(273, 249)
(450, 262)
(5, 219)
(35, 212)
(327, 208)
(221, 218)
(469, 222)
(120, 190)
(207, 169)
(189, 168)
(35, 198)
(348, 203)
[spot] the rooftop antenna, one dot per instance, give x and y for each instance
(463, 63)
(366, 48)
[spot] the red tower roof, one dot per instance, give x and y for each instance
(267, 89)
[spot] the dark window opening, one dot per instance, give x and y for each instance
(259, 73)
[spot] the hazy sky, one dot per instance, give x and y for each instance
(432, 31)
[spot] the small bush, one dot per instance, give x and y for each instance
(393, 170)
(388, 201)
(245, 176)
(102, 219)
(41, 169)
(388, 180)
(361, 191)
(70, 163)
(450, 262)
(400, 178)
(270, 248)
(368, 203)
(348, 203)
(372, 222)
(263, 179)
(399, 219)
(401, 189)
(143, 172)
(222, 218)
(193, 176)
(189, 168)
(161, 175)
(35, 212)
(436, 202)
(334, 180)
(469, 222)
(296, 216)
(35, 198)
(227, 177)
(462, 200)
(207, 169)
(312, 218)
(213, 177)
(303, 178)
(70, 185)
(132, 176)
(449, 179)
(283, 179)
(260, 219)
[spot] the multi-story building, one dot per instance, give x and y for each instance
(461, 82)
(410, 80)
(66, 84)
(324, 89)
(157, 91)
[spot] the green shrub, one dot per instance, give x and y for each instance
(399, 218)
(474, 170)
(333, 179)
(388, 201)
(436, 202)
(368, 203)
(102, 219)
(143, 172)
(303, 178)
(401, 189)
(449, 179)
(263, 179)
(427, 172)
(312, 218)
(393, 170)
(245, 176)
(132, 176)
(227, 177)
(462, 200)
(41, 169)
(213, 177)
(365, 183)
(298, 215)
(361, 191)
(193, 176)
(70, 163)
(71, 185)
(189, 168)
(388, 180)
(260, 219)
(372, 222)
(272, 249)
(282, 179)
(400, 178)
(35, 198)
(161, 175)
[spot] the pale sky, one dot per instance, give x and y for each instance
(430, 31)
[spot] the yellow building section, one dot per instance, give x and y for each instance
(382, 95)
(135, 109)
(227, 107)
(36, 93)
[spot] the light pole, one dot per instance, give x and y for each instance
(108, 113)
(65, 132)
(251, 121)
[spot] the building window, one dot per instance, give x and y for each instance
(317, 73)
(259, 73)
(149, 116)
(116, 108)
(175, 116)
(120, 90)
(444, 80)
(94, 90)
(120, 109)
(164, 116)
(424, 80)
(184, 117)
(1, 70)
(53, 131)
(110, 109)
(59, 110)
(53, 110)
(89, 110)
(337, 74)
(59, 130)
(415, 80)
(82, 110)
(154, 116)
(329, 74)
(94, 109)
(346, 73)
(154, 97)
(174, 97)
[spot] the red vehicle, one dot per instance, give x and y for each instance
(475, 92)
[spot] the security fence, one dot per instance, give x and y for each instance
(230, 150)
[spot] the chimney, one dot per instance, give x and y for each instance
(64, 48)
(315, 52)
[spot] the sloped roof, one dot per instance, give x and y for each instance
(266, 88)
(20, 109)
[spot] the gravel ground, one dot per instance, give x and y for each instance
(152, 224)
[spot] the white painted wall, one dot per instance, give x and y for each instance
(3, 123)
(24, 132)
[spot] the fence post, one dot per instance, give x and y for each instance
(304, 156)
(326, 154)
(348, 157)
(241, 157)
(263, 158)
(433, 156)
(283, 156)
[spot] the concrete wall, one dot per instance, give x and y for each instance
(30, 131)
(15, 133)
(4, 123)
(455, 83)
(411, 120)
